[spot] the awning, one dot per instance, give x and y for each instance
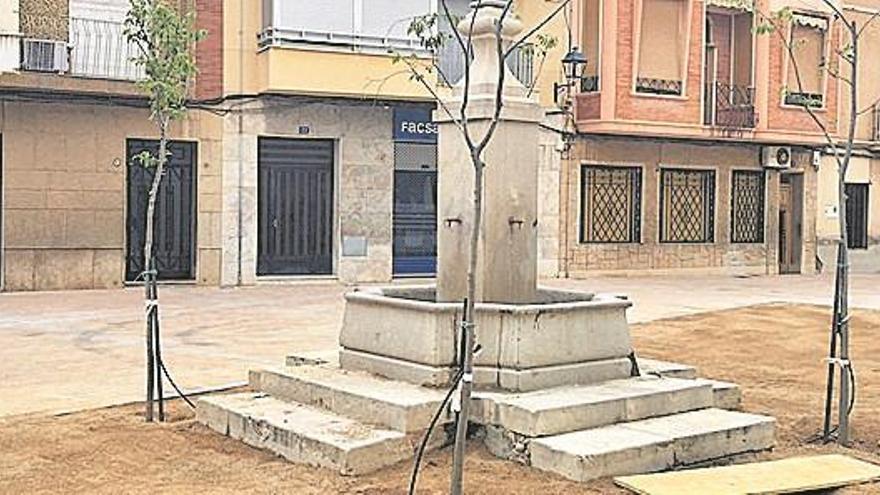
(810, 21)
(744, 5)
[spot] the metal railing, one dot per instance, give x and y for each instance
(730, 106)
(98, 49)
(450, 61)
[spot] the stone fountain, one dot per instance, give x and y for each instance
(557, 380)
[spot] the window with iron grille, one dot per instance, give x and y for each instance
(611, 199)
(687, 206)
(747, 206)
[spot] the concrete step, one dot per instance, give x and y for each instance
(305, 434)
(400, 406)
(727, 395)
(572, 408)
(665, 368)
(653, 444)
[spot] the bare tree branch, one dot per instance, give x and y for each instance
(419, 77)
(535, 29)
(786, 43)
(867, 23)
(502, 73)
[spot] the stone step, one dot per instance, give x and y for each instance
(727, 395)
(665, 368)
(652, 445)
(400, 406)
(573, 408)
(304, 434)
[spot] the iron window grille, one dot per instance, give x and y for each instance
(687, 206)
(589, 84)
(658, 86)
(747, 206)
(611, 199)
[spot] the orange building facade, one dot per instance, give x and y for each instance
(692, 149)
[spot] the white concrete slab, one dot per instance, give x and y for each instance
(571, 408)
(303, 434)
(653, 444)
(397, 405)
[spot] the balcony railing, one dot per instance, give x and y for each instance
(730, 106)
(450, 61)
(589, 84)
(98, 49)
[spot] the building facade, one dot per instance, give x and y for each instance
(863, 177)
(693, 151)
(330, 157)
(310, 153)
(71, 120)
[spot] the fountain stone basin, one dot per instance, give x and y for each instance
(563, 338)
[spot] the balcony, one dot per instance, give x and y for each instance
(450, 61)
(363, 26)
(98, 49)
(729, 106)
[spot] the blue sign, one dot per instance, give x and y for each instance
(414, 125)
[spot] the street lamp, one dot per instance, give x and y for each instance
(573, 64)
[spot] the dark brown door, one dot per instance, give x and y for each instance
(295, 217)
(857, 216)
(175, 225)
(790, 223)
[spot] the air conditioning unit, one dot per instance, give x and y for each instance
(777, 157)
(44, 55)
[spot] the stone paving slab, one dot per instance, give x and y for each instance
(565, 409)
(397, 405)
(653, 444)
(303, 434)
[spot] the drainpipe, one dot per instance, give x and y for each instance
(240, 219)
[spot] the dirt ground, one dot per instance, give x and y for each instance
(774, 352)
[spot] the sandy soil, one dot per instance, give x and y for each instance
(773, 352)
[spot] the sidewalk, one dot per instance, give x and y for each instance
(67, 351)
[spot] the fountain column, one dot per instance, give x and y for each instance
(507, 270)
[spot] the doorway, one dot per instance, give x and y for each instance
(175, 220)
(790, 223)
(295, 214)
(857, 215)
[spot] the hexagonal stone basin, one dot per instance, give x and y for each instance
(564, 337)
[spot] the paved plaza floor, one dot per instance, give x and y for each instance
(68, 351)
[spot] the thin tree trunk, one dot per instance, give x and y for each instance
(832, 352)
(843, 272)
(153, 377)
(457, 481)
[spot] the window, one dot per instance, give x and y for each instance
(362, 23)
(808, 47)
(662, 49)
(857, 216)
(611, 198)
(747, 207)
(591, 39)
(687, 205)
(98, 47)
